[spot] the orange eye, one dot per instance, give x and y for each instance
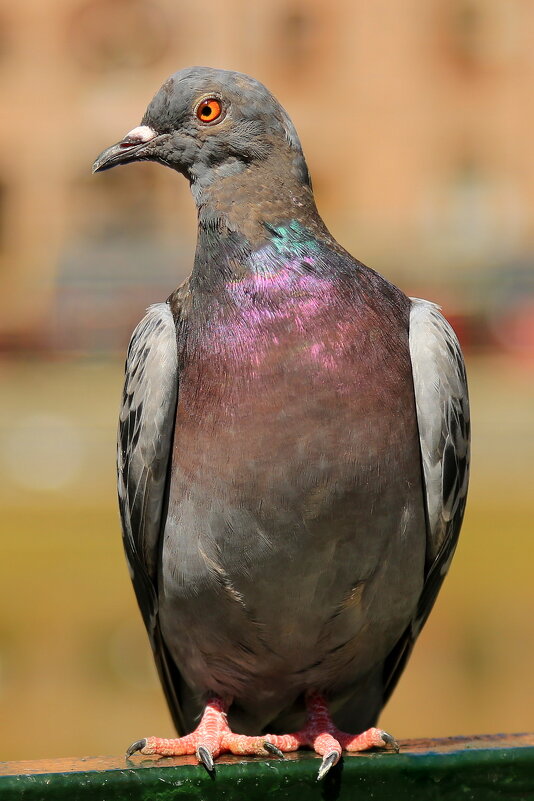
(209, 109)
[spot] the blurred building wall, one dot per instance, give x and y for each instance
(416, 120)
(415, 117)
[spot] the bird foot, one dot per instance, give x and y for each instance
(328, 741)
(213, 736)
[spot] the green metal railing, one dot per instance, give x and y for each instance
(483, 768)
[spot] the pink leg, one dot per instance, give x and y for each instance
(328, 741)
(213, 736)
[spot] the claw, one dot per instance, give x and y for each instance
(204, 756)
(391, 741)
(273, 749)
(137, 746)
(328, 761)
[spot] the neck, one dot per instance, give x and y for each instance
(238, 214)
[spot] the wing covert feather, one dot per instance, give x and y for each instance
(442, 406)
(145, 437)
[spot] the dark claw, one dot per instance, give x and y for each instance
(328, 761)
(137, 746)
(204, 756)
(389, 740)
(272, 749)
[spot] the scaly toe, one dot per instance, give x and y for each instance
(329, 760)
(137, 746)
(204, 756)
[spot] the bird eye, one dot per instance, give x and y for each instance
(209, 109)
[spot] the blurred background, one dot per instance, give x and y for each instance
(416, 119)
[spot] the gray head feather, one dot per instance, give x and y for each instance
(254, 125)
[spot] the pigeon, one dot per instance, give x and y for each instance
(293, 448)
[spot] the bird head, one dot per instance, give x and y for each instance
(208, 123)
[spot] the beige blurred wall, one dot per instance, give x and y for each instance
(416, 120)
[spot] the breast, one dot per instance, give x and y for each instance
(295, 480)
(293, 388)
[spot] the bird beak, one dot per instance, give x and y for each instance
(131, 148)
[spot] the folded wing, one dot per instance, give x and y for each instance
(145, 437)
(442, 406)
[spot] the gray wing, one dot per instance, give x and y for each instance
(442, 405)
(145, 437)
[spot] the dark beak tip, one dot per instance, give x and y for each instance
(102, 162)
(99, 166)
(114, 156)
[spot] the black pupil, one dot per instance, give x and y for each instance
(206, 111)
